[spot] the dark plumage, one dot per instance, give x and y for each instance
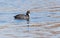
(23, 16)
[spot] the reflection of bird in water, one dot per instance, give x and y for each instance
(28, 25)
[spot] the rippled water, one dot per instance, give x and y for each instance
(44, 19)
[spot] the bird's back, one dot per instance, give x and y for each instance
(21, 16)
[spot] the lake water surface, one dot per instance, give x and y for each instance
(44, 19)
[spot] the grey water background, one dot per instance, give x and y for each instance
(44, 19)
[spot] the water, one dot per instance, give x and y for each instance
(35, 17)
(44, 19)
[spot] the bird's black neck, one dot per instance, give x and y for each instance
(27, 14)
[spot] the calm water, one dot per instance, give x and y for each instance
(44, 19)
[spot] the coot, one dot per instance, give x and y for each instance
(23, 16)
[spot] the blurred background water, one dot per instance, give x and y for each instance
(44, 19)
